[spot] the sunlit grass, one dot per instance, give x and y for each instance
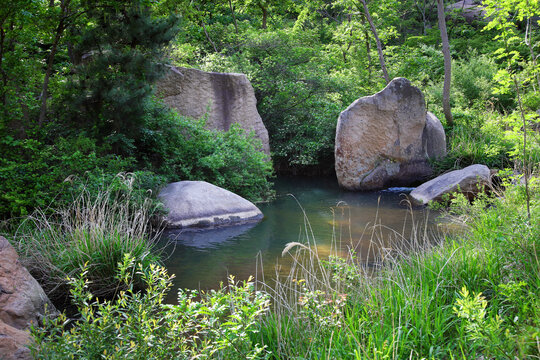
(409, 307)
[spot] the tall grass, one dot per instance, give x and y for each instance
(95, 230)
(468, 296)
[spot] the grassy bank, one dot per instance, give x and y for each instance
(471, 296)
(95, 230)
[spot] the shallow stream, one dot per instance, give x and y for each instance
(313, 209)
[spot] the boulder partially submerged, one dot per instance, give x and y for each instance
(198, 204)
(23, 304)
(225, 98)
(386, 139)
(468, 181)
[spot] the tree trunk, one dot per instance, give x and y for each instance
(59, 32)
(350, 42)
(208, 36)
(525, 162)
(528, 41)
(377, 41)
(4, 76)
(447, 64)
(422, 10)
(265, 15)
(368, 49)
(233, 16)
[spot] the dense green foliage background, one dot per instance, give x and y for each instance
(77, 108)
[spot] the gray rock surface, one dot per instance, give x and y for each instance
(434, 138)
(227, 98)
(467, 181)
(23, 303)
(203, 205)
(380, 139)
(470, 10)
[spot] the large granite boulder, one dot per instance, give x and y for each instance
(198, 204)
(468, 181)
(23, 303)
(226, 98)
(382, 140)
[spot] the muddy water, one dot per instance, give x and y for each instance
(306, 209)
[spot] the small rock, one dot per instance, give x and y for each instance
(203, 205)
(470, 10)
(467, 181)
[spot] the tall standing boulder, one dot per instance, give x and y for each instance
(226, 98)
(382, 139)
(23, 304)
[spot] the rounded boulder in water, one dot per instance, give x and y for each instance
(198, 204)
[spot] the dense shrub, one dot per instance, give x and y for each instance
(420, 64)
(138, 325)
(473, 79)
(473, 140)
(183, 149)
(32, 173)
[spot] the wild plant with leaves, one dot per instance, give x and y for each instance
(139, 325)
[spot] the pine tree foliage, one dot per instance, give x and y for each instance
(120, 54)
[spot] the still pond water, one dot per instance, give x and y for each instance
(334, 218)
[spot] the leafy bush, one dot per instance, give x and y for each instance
(139, 326)
(182, 149)
(476, 139)
(420, 64)
(473, 79)
(32, 173)
(96, 229)
(472, 85)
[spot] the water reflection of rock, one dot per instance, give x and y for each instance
(206, 239)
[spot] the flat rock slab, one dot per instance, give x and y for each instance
(198, 204)
(468, 181)
(225, 98)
